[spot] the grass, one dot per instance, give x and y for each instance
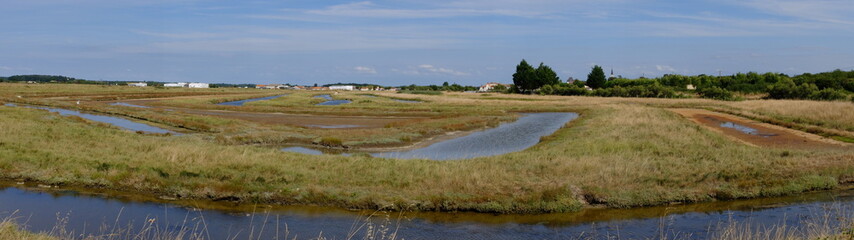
(621, 153)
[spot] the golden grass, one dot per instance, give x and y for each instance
(617, 155)
(622, 152)
(10, 230)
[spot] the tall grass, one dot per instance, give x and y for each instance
(616, 155)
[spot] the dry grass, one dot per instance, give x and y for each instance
(622, 152)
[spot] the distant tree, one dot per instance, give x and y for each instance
(445, 84)
(596, 78)
(524, 77)
(545, 76)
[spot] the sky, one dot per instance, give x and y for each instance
(402, 42)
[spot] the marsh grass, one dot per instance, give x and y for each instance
(622, 152)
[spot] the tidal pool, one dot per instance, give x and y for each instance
(330, 101)
(405, 101)
(116, 121)
(244, 101)
(89, 213)
(506, 138)
(333, 126)
(128, 105)
(745, 129)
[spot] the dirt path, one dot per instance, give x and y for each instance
(758, 133)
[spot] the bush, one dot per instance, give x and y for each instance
(715, 93)
(568, 90)
(828, 95)
(648, 91)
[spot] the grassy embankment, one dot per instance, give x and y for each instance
(618, 154)
(432, 120)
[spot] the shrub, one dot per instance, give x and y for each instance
(828, 94)
(715, 93)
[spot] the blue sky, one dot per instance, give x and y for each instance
(417, 42)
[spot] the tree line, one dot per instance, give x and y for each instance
(835, 85)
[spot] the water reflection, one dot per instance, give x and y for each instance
(119, 122)
(330, 101)
(506, 138)
(128, 105)
(746, 129)
(87, 214)
(244, 101)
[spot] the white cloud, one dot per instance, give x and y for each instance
(368, 9)
(434, 69)
(428, 69)
(665, 68)
(183, 35)
(827, 11)
(365, 70)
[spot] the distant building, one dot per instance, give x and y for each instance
(139, 84)
(180, 84)
(342, 87)
(691, 87)
(198, 85)
(570, 80)
(488, 87)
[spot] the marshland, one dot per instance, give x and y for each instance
(619, 153)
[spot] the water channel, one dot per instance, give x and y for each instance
(86, 213)
(330, 101)
(115, 121)
(506, 138)
(244, 101)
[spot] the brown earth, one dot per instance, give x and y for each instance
(303, 120)
(760, 134)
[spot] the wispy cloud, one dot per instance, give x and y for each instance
(433, 69)
(827, 11)
(181, 35)
(369, 9)
(365, 70)
(665, 68)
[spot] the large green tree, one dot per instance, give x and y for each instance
(524, 77)
(546, 76)
(596, 78)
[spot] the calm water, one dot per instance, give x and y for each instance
(128, 105)
(330, 101)
(116, 121)
(244, 101)
(312, 151)
(746, 129)
(38, 211)
(506, 138)
(333, 126)
(406, 101)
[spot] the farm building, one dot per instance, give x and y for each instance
(138, 84)
(342, 87)
(198, 85)
(491, 86)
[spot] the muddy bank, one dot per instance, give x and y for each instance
(757, 133)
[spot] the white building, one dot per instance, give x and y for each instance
(342, 87)
(490, 86)
(198, 85)
(180, 84)
(139, 84)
